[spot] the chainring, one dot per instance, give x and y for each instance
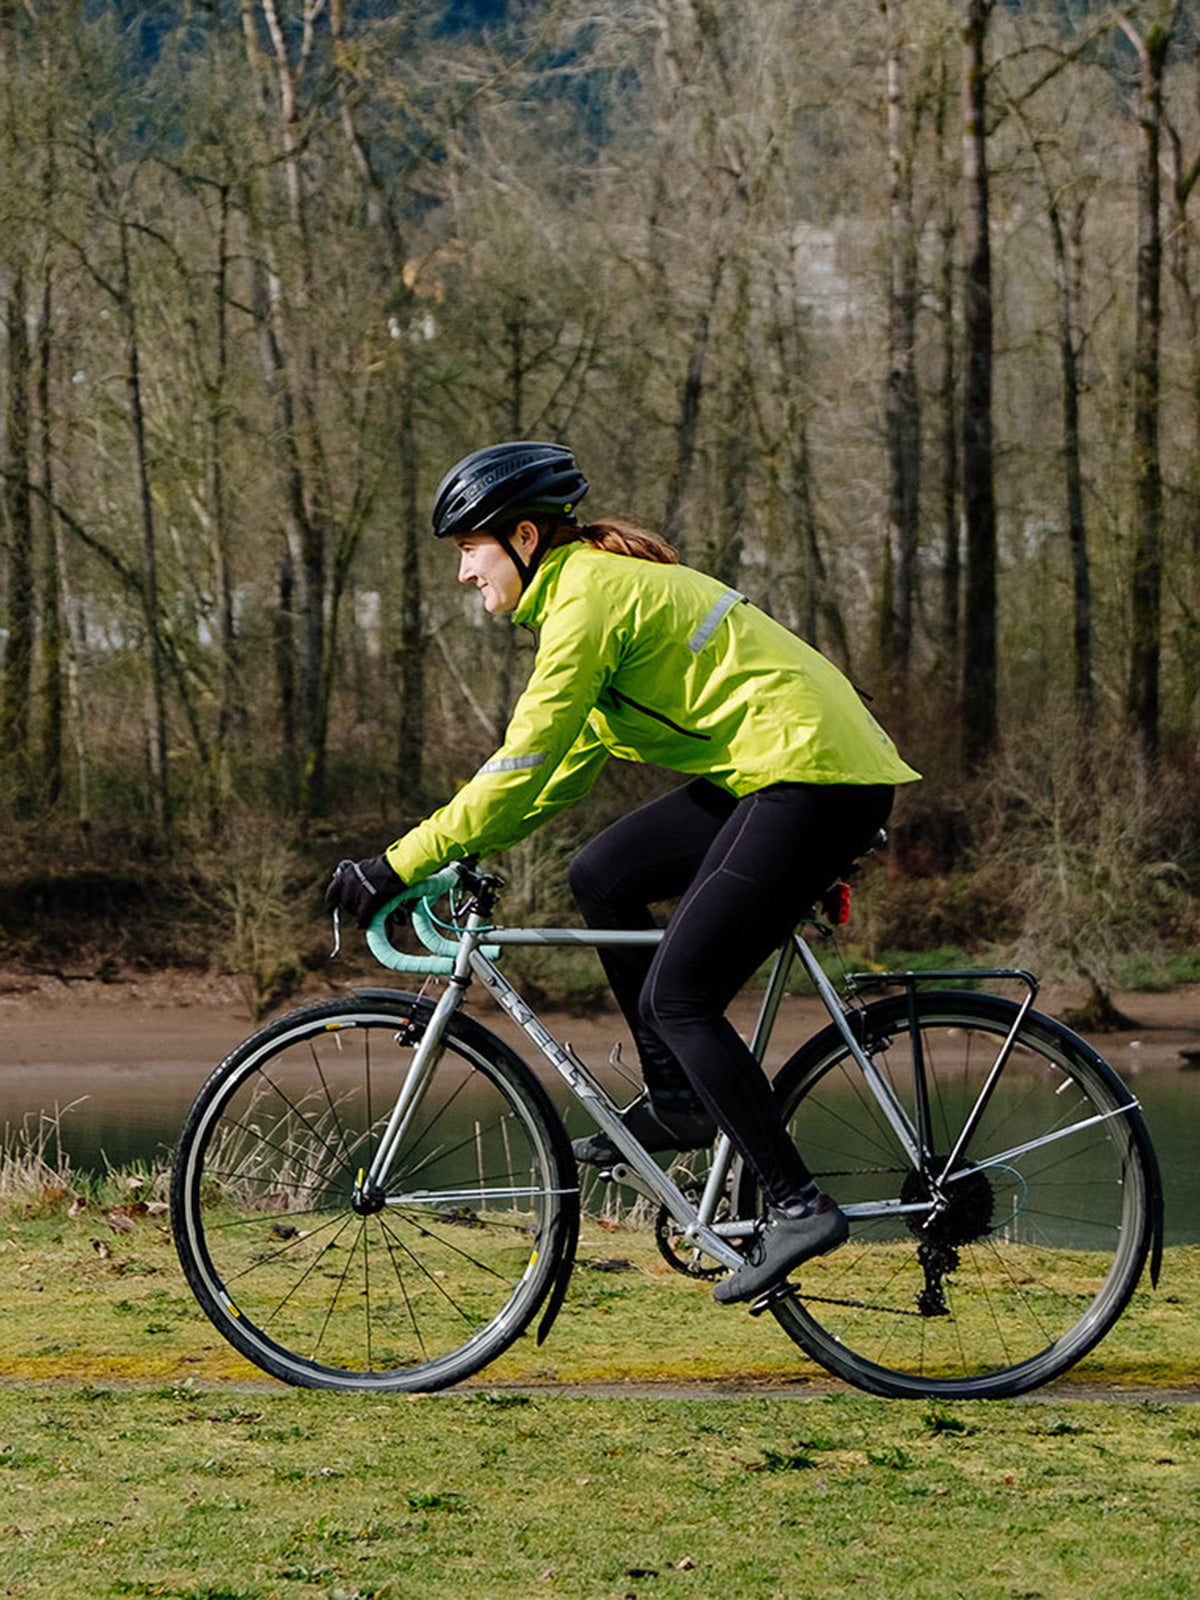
(674, 1248)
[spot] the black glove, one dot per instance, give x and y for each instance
(359, 888)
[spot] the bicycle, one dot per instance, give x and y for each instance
(376, 1193)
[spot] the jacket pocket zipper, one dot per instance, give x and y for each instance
(636, 705)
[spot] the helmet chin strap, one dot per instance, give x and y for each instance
(525, 569)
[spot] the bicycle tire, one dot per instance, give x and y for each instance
(1030, 1260)
(481, 1214)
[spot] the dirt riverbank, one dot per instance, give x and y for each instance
(191, 1019)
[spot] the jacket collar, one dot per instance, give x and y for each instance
(532, 606)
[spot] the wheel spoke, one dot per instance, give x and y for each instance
(271, 1148)
(1031, 1247)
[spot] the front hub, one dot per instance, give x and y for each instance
(367, 1198)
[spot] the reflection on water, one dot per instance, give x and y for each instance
(119, 1117)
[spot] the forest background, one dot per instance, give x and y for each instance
(886, 313)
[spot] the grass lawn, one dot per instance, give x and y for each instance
(132, 1463)
(208, 1494)
(84, 1302)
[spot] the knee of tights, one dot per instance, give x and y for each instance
(662, 1010)
(584, 884)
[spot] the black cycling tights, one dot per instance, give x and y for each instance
(747, 870)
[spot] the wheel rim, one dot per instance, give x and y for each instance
(1028, 1255)
(410, 1292)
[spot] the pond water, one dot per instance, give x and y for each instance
(114, 1086)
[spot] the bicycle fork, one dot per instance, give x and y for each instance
(370, 1189)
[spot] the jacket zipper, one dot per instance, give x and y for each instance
(658, 716)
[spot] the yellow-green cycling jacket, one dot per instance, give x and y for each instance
(652, 663)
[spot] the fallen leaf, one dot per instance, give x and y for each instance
(155, 1208)
(77, 1207)
(119, 1223)
(102, 1249)
(685, 1565)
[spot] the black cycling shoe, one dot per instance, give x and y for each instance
(787, 1238)
(655, 1130)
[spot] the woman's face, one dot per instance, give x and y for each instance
(485, 562)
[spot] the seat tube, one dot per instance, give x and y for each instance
(895, 1113)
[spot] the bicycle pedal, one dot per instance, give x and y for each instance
(781, 1291)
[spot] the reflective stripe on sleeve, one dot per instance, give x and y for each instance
(706, 629)
(511, 763)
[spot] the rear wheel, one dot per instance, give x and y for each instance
(999, 1275)
(412, 1289)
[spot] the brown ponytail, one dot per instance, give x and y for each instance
(618, 538)
(626, 539)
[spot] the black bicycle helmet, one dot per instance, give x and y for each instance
(504, 482)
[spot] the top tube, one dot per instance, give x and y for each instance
(420, 898)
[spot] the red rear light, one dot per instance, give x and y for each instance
(836, 904)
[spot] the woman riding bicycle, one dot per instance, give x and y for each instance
(790, 778)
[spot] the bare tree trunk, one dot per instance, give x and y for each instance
(53, 643)
(514, 338)
(16, 670)
(1081, 578)
(381, 213)
(72, 638)
(17, 679)
(230, 712)
(687, 427)
(289, 361)
(902, 405)
(284, 642)
(979, 495)
(725, 537)
(825, 627)
(949, 641)
(52, 608)
(1146, 577)
(156, 697)
(950, 644)
(821, 621)
(412, 653)
(1184, 179)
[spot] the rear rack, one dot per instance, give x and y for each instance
(856, 982)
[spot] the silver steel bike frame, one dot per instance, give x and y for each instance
(638, 1169)
(464, 957)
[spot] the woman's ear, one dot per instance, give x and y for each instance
(525, 537)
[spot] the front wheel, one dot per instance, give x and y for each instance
(992, 1278)
(422, 1285)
